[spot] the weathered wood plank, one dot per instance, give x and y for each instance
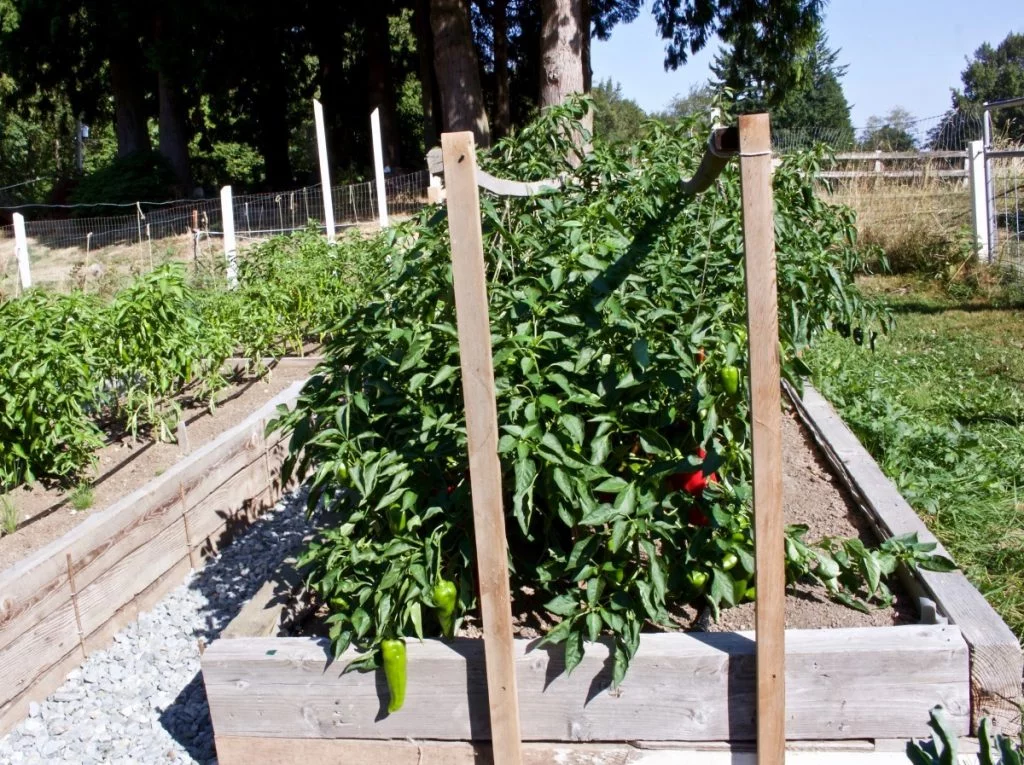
(996, 660)
(27, 657)
(275, 605)
(230, 501)
(233, 750)
(477, 364)
(13, 711)
(116, 587)
(841, 684)
(117, 554)
(766, 419)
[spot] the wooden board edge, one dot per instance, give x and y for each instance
(136, 501)
(997, 663)
(237, 750)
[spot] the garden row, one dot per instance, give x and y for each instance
(76, 370)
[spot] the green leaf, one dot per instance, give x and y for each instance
(563, 605)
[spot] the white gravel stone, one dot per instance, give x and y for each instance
(141, 700)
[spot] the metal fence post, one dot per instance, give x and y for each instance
(979, 202)
(21, 251)
(378, 168)
(227, 216)
(325, 171)
(990, 186)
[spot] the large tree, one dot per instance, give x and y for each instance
(995, 74)
(457, 71)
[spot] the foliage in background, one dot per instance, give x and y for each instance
(890, 133)
(74, 368)
(141, 177)
(615, 306)
(617, 119)
(939, 406)
(814, 99)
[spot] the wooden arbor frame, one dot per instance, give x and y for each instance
(463, 180)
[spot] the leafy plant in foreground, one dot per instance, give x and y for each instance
(943, 746)
(615, 304)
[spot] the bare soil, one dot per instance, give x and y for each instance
(126, 465)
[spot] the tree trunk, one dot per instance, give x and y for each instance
(381, 88)
(502, 106)
(562, 43)
(272, 137)
(126, 83)
(588, 73)
(458, 76)
(428, 86)
(174, 136)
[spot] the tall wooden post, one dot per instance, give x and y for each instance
(472, 316)
(325, 170)
(766, 417)
(378, 169)
(21, 251)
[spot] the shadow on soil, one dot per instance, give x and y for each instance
(227, 582)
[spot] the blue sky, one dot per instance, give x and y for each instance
(905, 53)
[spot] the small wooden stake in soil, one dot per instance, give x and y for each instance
(482, 432)
(74, 603)
(765, 415)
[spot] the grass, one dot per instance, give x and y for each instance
(8, 515)
(81, 497)
(940, 404)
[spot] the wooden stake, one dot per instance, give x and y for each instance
(195, 564)
(765, 414)
(74, 603)
(325, 170)
(474, 327)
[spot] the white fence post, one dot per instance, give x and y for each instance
(21, 251)
(378, 168)
(227, 216)
(325, 171)
(979, 201)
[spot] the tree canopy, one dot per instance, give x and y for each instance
(219, 92)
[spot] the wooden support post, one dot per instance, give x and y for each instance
(765, 415)
(325, 170)
(21, 251)
(477, 364)
(378, 169)
(227, 216)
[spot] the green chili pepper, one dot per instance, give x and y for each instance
(445, 594)
(730, 377)
(393, 653)
(396, 519)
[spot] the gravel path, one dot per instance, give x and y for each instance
(142, 701)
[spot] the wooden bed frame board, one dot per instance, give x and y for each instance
(681, 686)
(125, 557)
(302, 751)
(997, 664)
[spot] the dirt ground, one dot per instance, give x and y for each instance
(126, 465)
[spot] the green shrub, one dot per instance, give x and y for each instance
(614, 305)
(139, 177)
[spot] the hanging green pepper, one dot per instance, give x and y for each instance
(393, 653)
(730, 377)
(396, 519)
(445, 594)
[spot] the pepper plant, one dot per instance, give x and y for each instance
(616, 307)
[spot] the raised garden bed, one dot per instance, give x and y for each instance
(68, 597)
(272, 695)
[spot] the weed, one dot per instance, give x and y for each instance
(8, 515)
(82, 497)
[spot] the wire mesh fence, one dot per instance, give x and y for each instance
(948, 132)
(104, 250)
(1006, 208)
